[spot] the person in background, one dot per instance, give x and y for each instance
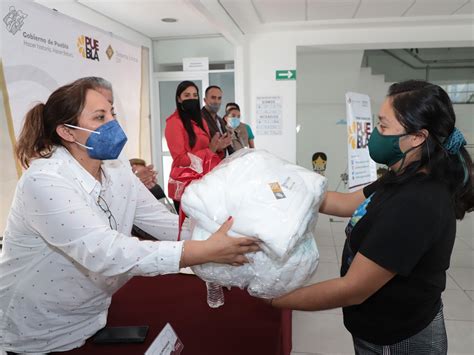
(236, 129)
(187, 132)
(402, 228)
(147, 175)
(213, 101)
(67, 245)
(250, 140)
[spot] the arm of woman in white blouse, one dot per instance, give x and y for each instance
(154, 218)
(56, 211)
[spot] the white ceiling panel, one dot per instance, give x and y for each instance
(243, 13)
(467, 9)
(383, 8)
(145, 16)
(280, 10)
(331, 9)
(434, 7)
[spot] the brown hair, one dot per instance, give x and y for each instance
(137, 161)
(38, 136)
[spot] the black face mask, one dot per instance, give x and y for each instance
(192, 107)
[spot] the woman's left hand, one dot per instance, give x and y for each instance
(229, 250)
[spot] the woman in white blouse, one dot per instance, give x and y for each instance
(67, 245)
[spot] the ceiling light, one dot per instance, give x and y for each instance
(169, 20)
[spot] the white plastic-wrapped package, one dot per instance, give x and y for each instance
(270, 199)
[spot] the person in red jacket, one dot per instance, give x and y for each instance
(186, 132)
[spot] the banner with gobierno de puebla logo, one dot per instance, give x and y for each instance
(42, 49)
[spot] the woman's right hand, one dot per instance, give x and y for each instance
(220, 142)
(224, 141)
(228, 250)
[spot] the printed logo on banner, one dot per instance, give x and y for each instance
(88, 47)
(14, 20)
(363, 134)
(109, 52)
(359, 134)
(352, 135)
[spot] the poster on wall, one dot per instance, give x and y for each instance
(269, 115)
(42, 49)
(361, 168)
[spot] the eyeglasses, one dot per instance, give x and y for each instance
(105, 207)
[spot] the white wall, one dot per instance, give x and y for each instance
(172, 51)
(264, 58)
(266, 52)
(395, 70)
(324, 79)
(465, 121)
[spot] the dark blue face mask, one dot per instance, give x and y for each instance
(106, 142)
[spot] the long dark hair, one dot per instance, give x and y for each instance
(38, 135)
(185, 116)
(421, 105)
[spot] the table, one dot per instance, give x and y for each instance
(243, 326)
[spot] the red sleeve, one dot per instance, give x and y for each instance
(176, 138)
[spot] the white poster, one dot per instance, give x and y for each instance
(269, 115)
(361, 169)
(42, 49)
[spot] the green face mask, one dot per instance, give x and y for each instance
(385, 149)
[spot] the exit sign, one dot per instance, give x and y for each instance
(285, 75)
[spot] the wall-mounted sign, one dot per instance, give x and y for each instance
(196, 64)
(269, 115)
(285, 75)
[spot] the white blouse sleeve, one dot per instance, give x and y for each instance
(58, 213)
(154, 218)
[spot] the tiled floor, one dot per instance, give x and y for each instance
(324, 332)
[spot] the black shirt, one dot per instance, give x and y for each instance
(408, 229)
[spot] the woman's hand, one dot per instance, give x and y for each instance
(146, 174)
(213, 144)
(224, 141)
(228, 250)
(220, 142)
(219, 248)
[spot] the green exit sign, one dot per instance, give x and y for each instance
(285, 75)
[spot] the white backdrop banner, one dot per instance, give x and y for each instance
(43, 49)
(361, 169)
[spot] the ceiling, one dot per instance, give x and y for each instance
(254, 16)
(421, 58)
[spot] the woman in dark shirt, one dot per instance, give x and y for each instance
(402, 228)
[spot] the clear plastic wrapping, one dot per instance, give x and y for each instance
(270, 199)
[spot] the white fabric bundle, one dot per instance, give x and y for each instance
(270, 199)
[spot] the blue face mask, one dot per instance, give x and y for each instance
(234, 122)
(106, 142)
